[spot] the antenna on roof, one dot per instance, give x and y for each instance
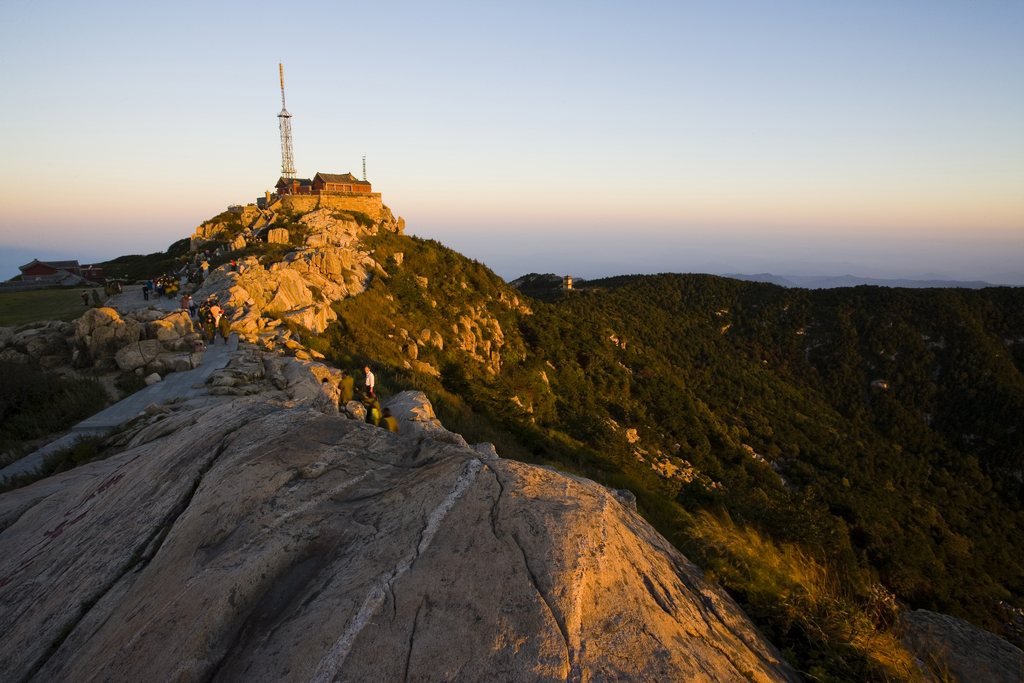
(364, 168)
(287, 160)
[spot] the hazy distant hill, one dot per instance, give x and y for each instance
(832, 281)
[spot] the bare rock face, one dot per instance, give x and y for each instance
(277, 236)
(971, 654)
(138, 355)
(329, 267)
(254, 543)
(101, 332)
(415, 416)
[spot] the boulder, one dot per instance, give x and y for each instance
(12, 355)
(157, 409)
(93, 318)
(970, 654)
(277, 236)
(313, 318)
(161, 330)
(291, 294)
(152, 379)
(425, 368)
(42, 342)
(415, 416)
(139, 354)
(356, 410)
(101, 333)
(257, 543)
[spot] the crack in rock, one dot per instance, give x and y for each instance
(332, 662)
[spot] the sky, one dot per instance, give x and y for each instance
(803, 137)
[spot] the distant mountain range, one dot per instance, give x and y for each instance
(831, 281)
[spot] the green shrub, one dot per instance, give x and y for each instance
(84, 449)
(35, 403)
(129, 383)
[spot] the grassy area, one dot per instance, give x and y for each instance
(58, 303)
(823, 630)
(34, 403)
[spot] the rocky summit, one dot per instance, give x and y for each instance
(259, 542)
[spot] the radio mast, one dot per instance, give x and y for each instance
(287, 160)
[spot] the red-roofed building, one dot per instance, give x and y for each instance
(43, 269)
(61, 272)
(339, 182)
(294, 186)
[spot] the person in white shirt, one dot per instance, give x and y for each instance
(369, 382)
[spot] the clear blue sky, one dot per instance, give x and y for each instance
(878, 138)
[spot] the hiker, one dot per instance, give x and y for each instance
(145, 292)
(185, 298)
(389, 421)
(96, 297)
(346, 386)
(372, 410)
(85, 298)
(370, 379)
(206, 318)
(193, 308)
(216, 311)
(224, 323)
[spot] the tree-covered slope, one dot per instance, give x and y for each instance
(872, 432)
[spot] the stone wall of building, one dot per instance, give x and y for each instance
(368, 203)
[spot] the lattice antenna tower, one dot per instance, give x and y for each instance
(287, 160)
(364, 167)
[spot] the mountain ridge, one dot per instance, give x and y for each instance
(701, 394)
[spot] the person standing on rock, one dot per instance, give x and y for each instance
(347, 387)
(389, 421)
(370, 380)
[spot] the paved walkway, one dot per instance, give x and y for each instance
(132, 299)
(174, 385)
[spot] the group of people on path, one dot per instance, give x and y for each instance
(211, 317)
(165, 285)
(346, 391)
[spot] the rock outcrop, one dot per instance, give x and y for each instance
(416, 418)
(946, 644)
(330, 267)
(261, 543)
(47, 346)
(104, 340)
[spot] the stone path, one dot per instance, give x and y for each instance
(174, 385)
(132, 298)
